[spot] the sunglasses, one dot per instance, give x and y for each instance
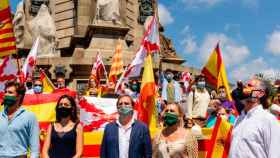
(38, 85)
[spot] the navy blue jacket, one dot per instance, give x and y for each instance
(139, 146)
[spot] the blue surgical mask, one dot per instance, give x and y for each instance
(201, 84)
(38, 89)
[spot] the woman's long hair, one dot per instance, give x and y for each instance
(74, 115)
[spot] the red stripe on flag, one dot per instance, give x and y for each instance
(210, 78)
(227, 144)
(91, 151)
(214, 137)
(204, 145)
(5, 14)
(36, 99)
(9, 39)
(219, 57)
(7, 48)
(4, 31)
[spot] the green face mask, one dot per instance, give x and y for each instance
(170, 119)
(9, 100)
(125, 111)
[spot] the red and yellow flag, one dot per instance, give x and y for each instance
(117, 65)
(7, 38)
(146, 107)
(215, 71)
(48, 86)
(220, 139)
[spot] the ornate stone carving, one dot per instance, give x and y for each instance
(107, 10)
(145, 10)
(28, 28)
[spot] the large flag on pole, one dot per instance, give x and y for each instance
(30, 61)
(7, 38)
(150, 40)
(48, 86)
(146, 106)
(215, 71)
(117, 65)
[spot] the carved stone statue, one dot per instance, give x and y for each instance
(107, 10)
(145, 10)
(29, 23)
(43, 25)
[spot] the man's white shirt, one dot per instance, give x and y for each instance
(255, 135)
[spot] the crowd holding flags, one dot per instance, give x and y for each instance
(92, 115)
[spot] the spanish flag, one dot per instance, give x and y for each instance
(7, 38)
(48, 86)
(215, 71)
(117, 65)
(220, 139)
(146, 107)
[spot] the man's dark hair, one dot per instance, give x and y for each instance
(222, 87)
(20, 89)
(198, 77)
(122, 96)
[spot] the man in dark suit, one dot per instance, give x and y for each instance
(126, 137)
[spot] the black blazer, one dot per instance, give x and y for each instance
(139, 145)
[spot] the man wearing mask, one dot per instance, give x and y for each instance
(38, 86)
(171, 89)
(61, 87)
(198, 101)
(19, 128)
(256, 132)
(126, 137)
(135, 88)
(29, 85)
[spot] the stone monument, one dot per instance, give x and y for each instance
(82, 29)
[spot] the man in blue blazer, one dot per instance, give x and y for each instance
(126, 137)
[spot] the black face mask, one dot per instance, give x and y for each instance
(64, 112)
(29, 85)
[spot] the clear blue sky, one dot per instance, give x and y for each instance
(248, 31)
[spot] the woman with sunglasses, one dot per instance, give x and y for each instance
(64, 137)
(174, 140)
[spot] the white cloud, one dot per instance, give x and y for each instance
(165, 16)
(190, 44)
(201, 3)
(253, 67)
(232, 52)
(273, 42)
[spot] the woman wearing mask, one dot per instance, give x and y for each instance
(174, 140)
(65, 136)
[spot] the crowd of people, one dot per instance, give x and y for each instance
(183, 110)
